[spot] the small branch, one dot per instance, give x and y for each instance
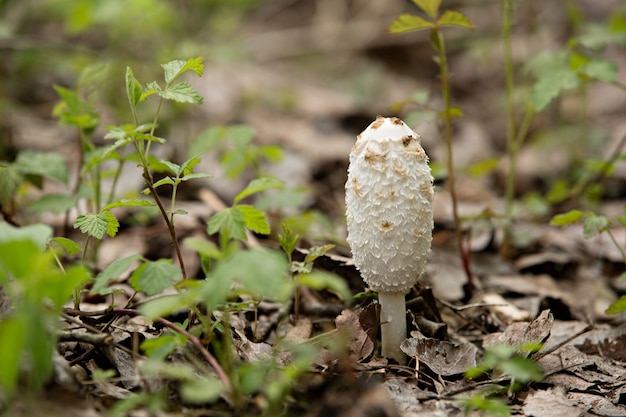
(96, 339)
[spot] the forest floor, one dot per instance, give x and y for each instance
(549, 284)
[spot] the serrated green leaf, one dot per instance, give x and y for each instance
(594, 225)
(229, 221)
(133, 88)
(550, 84)
(128, 203)
(430, 7)
(47, 164)
(316, 252)
(74, 111)
(454, 18)
(52, 203)
(153, 278)
(182, 92)
(176, 68)
(288, 240)
(601, 70)
(112, 271)
(254, 219)
(407, 23)
(71, 247)
(151, 88)
(259, 184)
(618, 306)
(566, 219)
(96, 225)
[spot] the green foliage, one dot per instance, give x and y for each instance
(499, 361)
(593, 225)
(408, 23)
(38, 290)
(235, 147)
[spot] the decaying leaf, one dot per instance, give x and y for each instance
(361, 346)
(517, 334)
(442, 357)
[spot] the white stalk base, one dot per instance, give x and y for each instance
(392, 325)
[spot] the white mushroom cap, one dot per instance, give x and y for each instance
(389, 196)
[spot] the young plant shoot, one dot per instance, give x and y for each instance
(389, 196)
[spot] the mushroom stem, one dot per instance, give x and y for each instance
(392, 324)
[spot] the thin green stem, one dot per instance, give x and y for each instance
(617, 245)
(154, 124)
(439, 44)
(507, 17)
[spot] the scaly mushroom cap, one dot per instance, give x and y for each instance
(389, 196)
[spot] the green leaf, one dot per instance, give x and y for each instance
(203, 247)
(68, 245)
(181, 92)
(164, 181)
(151, 88)
(566, 219)
(601, 70)
(430, 7)
(254, 219)
(194, 176)
(166, 305)
(113, 271)
(230, 222)
(618, 306)
(550, 84)
(454, 18)
(53, 203)
(154, 277)
(407, 23)
(128, 203)
(96, 225)
(288, 240)
(39, 234)
(47, 164)
(594, 225)
(133, 88)
(522, 369)
(188, 166)
(260, 272)
(259, 184)
(174, 69)
(10, 180)
(171, 167)
(12, 329)
(201, 391)
(321, 280)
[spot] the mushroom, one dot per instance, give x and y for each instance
(389, 213)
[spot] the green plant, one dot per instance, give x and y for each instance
(435, 21)
(511, 367)
(38, 287)
(594, 225)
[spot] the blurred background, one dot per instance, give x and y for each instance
(308, 75)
